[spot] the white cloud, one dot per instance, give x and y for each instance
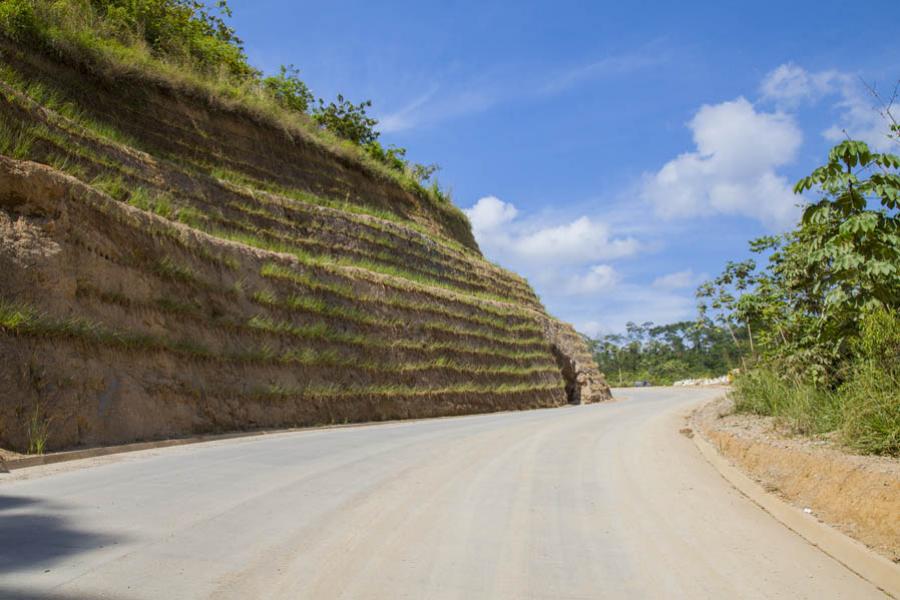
(789, 85)
(406, 117)
(678, 280)
(598, 278)
(732, 170)
(576, 242)
(860, 119)
(591, 329)
(489, 213)
(541, 249)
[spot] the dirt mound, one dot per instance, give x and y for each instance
(174, 268)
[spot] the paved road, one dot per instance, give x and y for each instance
(600, 501)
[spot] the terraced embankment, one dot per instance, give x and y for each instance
(171, 266)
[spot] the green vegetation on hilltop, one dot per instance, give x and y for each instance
(189, 45)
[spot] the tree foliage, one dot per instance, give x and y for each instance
(188, 29)
(347, 120)
(842, 261)
(289, 90)
(822, 316)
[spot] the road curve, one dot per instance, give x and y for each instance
(598, 501)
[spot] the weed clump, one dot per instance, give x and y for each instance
(863, 410)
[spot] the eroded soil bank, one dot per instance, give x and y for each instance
(860, 495)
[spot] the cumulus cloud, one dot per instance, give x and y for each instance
(574, 266)
(525, 244)
(789, 85)
(678, 280)
(598, 278)
(580, 240)
(489, 213)
(733, 168)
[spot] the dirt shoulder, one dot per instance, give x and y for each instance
(860, 495)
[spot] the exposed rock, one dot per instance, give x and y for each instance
(585, 383)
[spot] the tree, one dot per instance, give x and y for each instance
(347, 120)
(189, 31)
(851, 246)
(289, 90)
(722, 300)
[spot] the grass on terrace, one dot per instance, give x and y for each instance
(275, 391)
(21, 319)
(274, 271)
(76, 30)
(392, 256)
(316, 331)
(316, 306)
(17, 142)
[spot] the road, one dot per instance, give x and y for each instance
(598, 501)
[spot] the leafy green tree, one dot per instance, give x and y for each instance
(391, 156)
(289, 90)
(347, 120)
(723, 300)
(423, 173)
(850, 239)
(186, 30)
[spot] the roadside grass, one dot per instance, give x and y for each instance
(38, 430)
(863, 411)
(871, 412)
(804, 408)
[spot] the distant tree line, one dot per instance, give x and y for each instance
(662, 354)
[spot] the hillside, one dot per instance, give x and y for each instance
(173, 264)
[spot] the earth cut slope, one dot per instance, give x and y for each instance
(175, 266)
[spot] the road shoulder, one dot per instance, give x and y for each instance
(849, 506)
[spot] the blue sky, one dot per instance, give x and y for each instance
(613, 153)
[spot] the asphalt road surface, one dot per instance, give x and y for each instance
(598, 501)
